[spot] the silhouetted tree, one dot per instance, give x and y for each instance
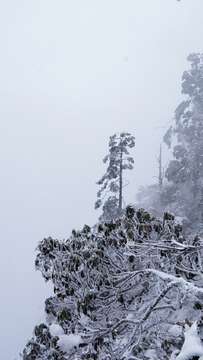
(185, 172)
(113, 180)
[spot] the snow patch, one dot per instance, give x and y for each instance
(176, 330)
(67, 342)
(84, 320)
(151, 354)
(193, 346)
(56, 330)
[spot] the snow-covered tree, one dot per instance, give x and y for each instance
(185, 172)
(182, 189)
(112, 180)
(119, 290)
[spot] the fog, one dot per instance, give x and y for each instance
(74, 73)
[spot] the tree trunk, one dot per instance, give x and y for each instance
(120, 181)
(160, 168)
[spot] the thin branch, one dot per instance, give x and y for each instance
(145, 317)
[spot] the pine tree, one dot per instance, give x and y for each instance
(185, 172)
(113, 180)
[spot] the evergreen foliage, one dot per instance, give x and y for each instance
(113, 179)
(185, 172)
(182, 189)
(118, 290)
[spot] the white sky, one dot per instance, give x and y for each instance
(74, 72)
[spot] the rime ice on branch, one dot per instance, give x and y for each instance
(118, 290)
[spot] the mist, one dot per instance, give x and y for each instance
(74, 73)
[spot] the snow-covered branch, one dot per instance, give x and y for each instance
(117, 289)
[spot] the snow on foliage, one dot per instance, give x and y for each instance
(181, 190)
(192, 345)
(185, 171)
(68, 342)
(122, 291)
(113, 179)
(65, 342)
